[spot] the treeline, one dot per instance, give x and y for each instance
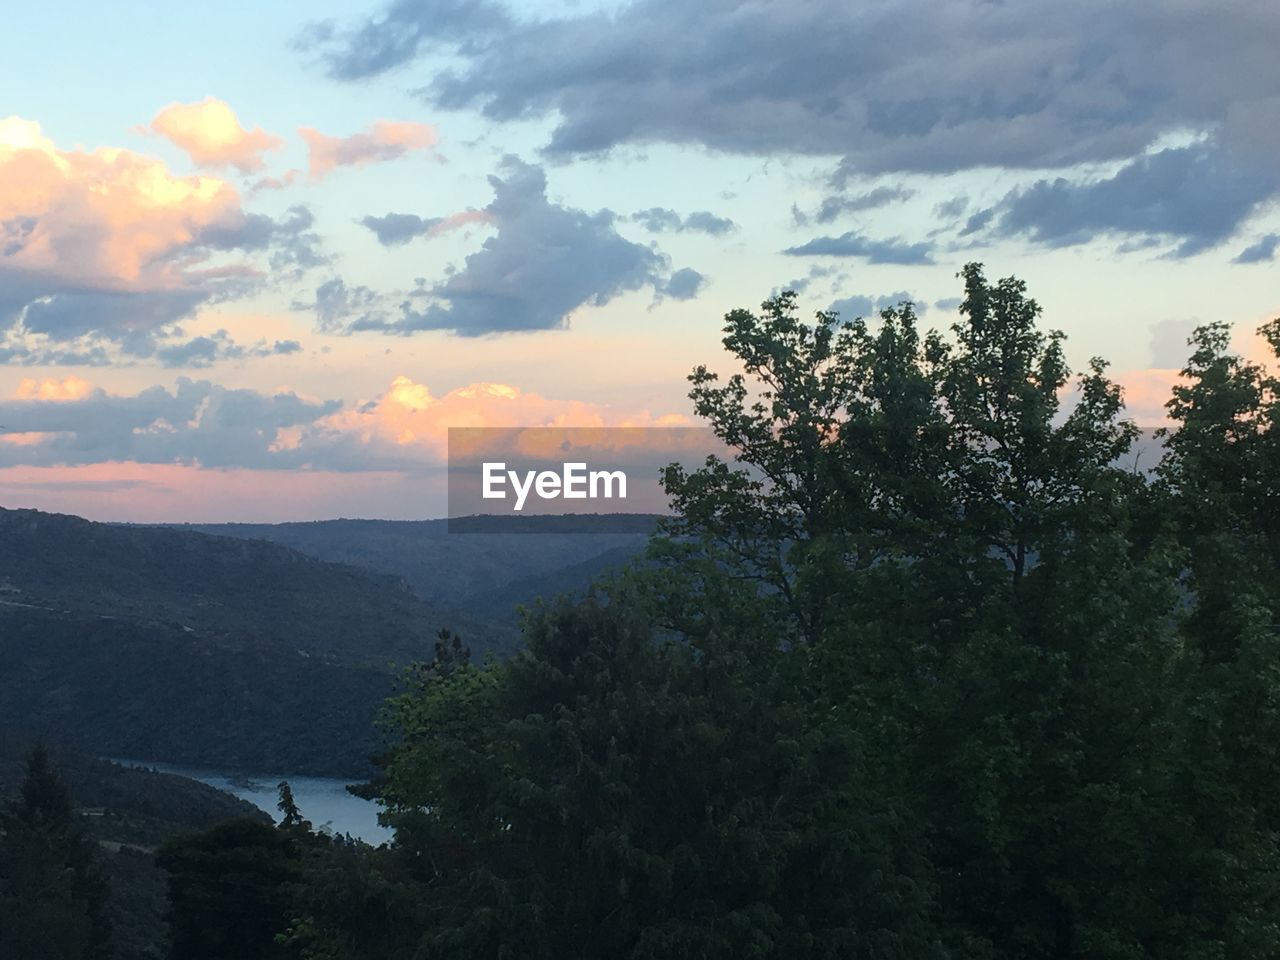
(926, 674)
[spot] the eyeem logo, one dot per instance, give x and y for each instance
(573, 482)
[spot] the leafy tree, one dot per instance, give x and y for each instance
(920, 672)
(231, 890)
(53, 894)
(607, 793)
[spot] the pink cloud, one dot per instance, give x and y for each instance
(212, 136)
(105, 219)
(456, 221)
(171, 493)
(385, 140)
(72, 388)
(380, 457)
(1145, 394)
(410, 422)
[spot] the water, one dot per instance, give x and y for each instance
(323, 801)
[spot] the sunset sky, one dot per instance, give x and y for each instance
(255, 259)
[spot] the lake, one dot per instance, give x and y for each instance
(323, 801)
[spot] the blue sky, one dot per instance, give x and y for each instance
(594, 186)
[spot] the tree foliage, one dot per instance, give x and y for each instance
(922, 671)
(53, 896)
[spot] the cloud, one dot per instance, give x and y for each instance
(951, 209)
(663, 220)
(212, 136)
(948, 304)
(408, 423)
(203, 424)
(978, 222)
(204, 351)
(1197, 196)
(854, 244)
(72, 388)
(106, 218)
(197, 423)
(544, 262)
(404, 29)
(1261, 252)
(836, 205)
(104, 252)
(385, 140)
(338, 307)
(293, 247)
(862, 306)
(397, 229)
(934, 88)
(684, 284)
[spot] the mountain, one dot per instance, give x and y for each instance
(478, 573)
(170, 645)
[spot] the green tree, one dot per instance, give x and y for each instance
(609, 793)
(53, 895)
(231, 890)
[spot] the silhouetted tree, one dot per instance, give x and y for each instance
(53, 895)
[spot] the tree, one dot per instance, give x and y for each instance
(231, 890)
(608, 793)
(53, 895)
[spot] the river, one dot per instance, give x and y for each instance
(323, 801)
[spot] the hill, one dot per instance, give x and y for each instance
(478, 573)
(170, 645)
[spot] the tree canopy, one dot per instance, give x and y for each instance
(925, 670)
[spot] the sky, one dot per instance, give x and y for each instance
(256, 259)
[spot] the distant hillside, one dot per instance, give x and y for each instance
(171, 645)
(571, 579)
(471, 572)
(237, 589)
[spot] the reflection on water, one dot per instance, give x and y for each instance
(323, 801)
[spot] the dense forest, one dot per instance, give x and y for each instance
(927, 673)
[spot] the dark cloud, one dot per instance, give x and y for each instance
(1262, 251)
(128, 317)
(544, 262)
(836, 205)
(932, 88)
(850, 307)
(951, 209)
(204, 351)
(978, 222)
(663, 220)
(197, 423)
(684, 284)
(1196, 196)
(948, 304)
(862, 306)
(396, 229)
(168, 347)
(854, 244)
(400, 33)
(293, 247)
(338, 307)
